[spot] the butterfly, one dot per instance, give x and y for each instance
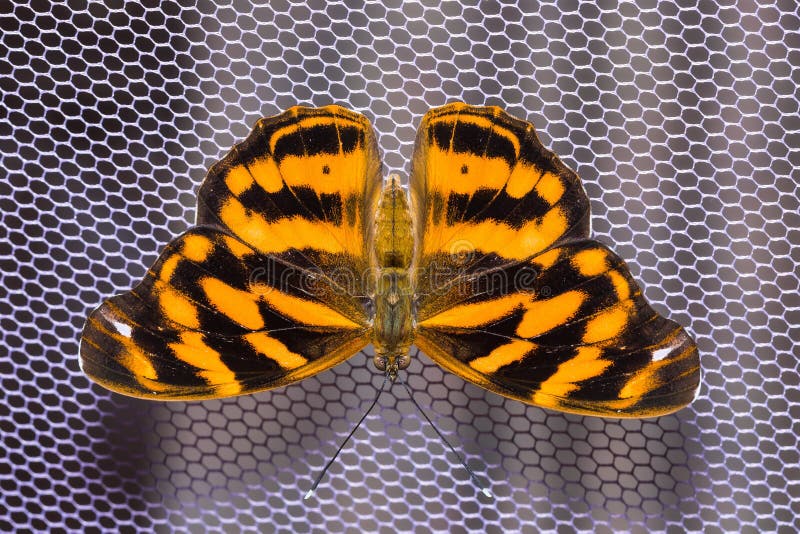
(303, 254)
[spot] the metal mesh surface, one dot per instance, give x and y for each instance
(682, 120)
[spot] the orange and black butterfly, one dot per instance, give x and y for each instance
(303, 254)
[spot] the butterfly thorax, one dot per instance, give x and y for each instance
(394, 247)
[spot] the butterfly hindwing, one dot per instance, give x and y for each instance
(303, 185)
(271, 287)
(512, 295)
(484, 193)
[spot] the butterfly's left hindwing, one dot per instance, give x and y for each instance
(272, 286)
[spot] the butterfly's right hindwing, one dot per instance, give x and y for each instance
(304, 185)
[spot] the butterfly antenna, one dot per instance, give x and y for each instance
(325, 469)
(460, 458)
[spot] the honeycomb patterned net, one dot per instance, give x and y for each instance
(682, 121)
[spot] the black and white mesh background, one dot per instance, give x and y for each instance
(682, 120)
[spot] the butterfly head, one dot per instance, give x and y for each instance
(391, 362)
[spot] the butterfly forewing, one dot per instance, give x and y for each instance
(271, 288)
(511, 294)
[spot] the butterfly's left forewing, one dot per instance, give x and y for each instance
(272, 287)
(568, 330)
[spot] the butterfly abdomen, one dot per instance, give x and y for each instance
(394, 247)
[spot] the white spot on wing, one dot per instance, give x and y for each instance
(660, 354)
(122, 328)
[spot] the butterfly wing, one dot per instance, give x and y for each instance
(273, 284)
(513, 296)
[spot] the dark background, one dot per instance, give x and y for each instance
(682, 119)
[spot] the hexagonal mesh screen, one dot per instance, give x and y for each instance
(682, 121)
